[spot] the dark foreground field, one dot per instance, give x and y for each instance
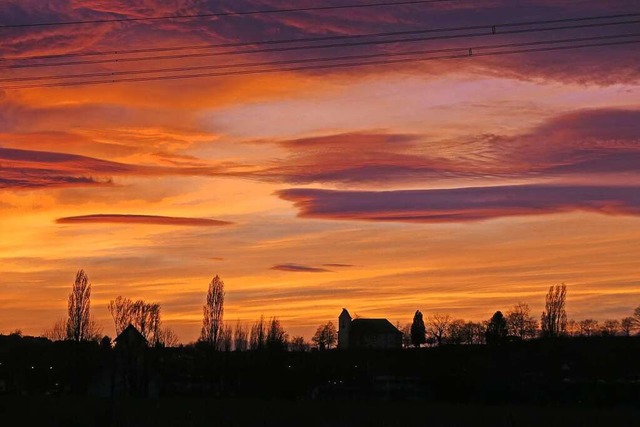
(69, 411)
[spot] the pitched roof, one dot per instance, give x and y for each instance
(373, 326)
(132, 332)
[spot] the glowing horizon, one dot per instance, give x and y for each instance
(459, 187)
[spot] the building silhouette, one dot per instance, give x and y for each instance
(367, 333)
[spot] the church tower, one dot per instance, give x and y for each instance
(344, 325)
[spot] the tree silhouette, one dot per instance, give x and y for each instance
(626, 326)
(122, 313)
(276, 336)
(473, 333)
(258, 338)
(226, 338)
(406, 334)
(554, 317)
(240, 338)
(588, 327)
(520, 323)
(79, 324)
(418, 330)
(572, 329)
(497, 328)
(456, 332)
(213, 312)
(167, 337)
(58, 332)
(325, 336)
(611, 327)
(635, 319)
(298, 344)
(145, 317)
(438, 325)
(147, 320)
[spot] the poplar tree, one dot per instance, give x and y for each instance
(213, 312)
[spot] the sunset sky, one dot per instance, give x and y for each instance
(458, 186)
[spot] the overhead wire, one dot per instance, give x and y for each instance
(495, 27)
(468, 54)
(311, 60)
(491, 32)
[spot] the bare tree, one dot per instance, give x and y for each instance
(298, 344)
(588, 327)
(406, 334)
(79, 309)
(240, 338)
(258, 337)
(635, 319)
(573, 328)
(325, 336)
(554, 317)
(611, 327)
(167, 337)
(438, 325)
(626, 326)
(122, 313)
(226, 338)
(58, 332)
(520, 323)
(147, 320)
(473, 333)
(213, 312)
(418, 330)
(143, 316)
(456, 332)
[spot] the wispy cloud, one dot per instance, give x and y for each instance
(462, 204)
(41, 169)
(337, 265)
(570, 145)
(141, 219)
(297, 268)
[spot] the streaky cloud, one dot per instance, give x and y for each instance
(142, 219)
(30, 169)
(297, 268)
(462, 204)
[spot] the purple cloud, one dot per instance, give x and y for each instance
(40, 169)
(462, 204)
(603, 141)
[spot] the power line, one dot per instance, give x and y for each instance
(491, 32)
(468, 54)
(224, 14)
(312, 60)
(317, 39)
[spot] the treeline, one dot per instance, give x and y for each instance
(517, 323)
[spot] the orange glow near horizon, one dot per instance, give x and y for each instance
(235, 149)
